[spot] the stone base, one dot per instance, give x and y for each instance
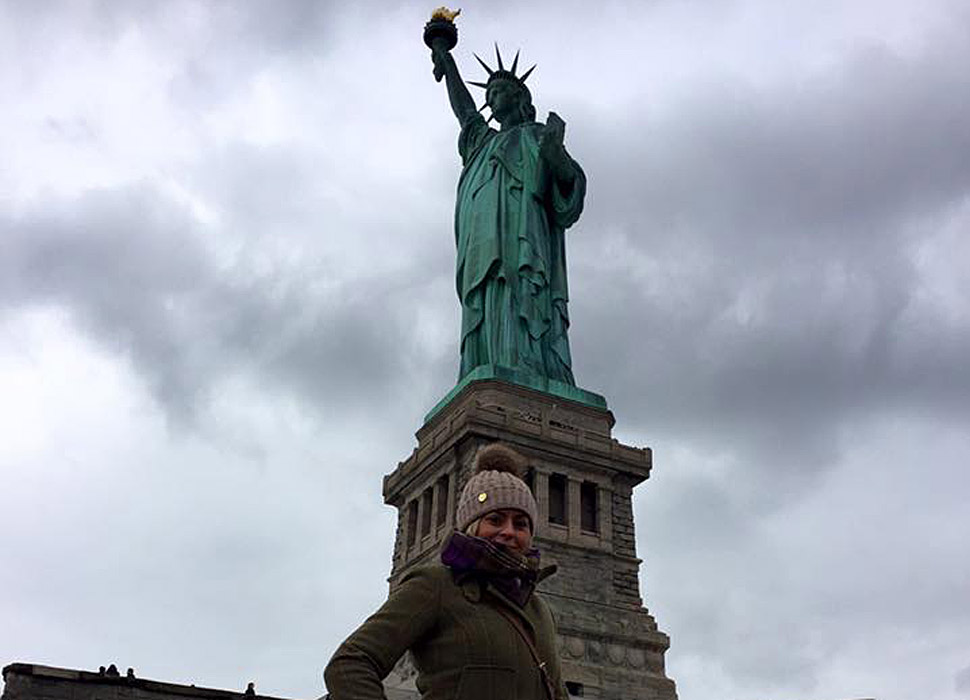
(583, 480)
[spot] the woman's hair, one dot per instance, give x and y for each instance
(472, 529)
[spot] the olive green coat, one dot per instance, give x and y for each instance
(463, 648)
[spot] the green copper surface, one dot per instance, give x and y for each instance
(518, 192)
(526, 379)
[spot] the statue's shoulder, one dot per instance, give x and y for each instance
(537, 129)
(475, 132)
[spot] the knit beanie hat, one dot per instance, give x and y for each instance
(497, 484)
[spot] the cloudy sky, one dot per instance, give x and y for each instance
(227, 300)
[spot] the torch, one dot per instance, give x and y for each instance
(441, 33)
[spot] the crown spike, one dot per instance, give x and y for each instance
(498, 57)
(482, 108)
(484, 65)
(484, 86)
(528, 73)
(515, 62)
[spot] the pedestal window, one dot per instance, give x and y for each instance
(589, 507)
(412, 522)
(558, 502)
(442, 488)
(427, 500)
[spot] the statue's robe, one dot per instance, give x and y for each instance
(511, 264)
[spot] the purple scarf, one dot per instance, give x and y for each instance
(514, 575)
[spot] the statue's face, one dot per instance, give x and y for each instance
(502, 97)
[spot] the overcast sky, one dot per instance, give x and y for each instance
(227, 301)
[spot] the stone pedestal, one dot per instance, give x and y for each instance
(583, 480)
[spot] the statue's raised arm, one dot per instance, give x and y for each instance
(441, 35)
(519, 191)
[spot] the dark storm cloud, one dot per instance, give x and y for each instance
(220, 45)
(962, 681)
(838, 158)
(776, 232)
(130, 267)
(266, 25)
(813, 580)
(747, 282)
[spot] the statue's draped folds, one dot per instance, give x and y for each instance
(511, 264)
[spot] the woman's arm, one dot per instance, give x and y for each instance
(361, 663)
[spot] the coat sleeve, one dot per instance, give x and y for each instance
(366, 657)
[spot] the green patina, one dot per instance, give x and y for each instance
(519, 191)
(526, 379)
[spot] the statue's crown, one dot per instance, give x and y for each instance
(501, 73)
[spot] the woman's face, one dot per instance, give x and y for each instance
(508, 527)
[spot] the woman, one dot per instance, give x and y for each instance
(474, 625)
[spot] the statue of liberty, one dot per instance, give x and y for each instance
(519, 191)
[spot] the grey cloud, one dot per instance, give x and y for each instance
(806, 584)
(746, 281)
(129, 266)
(774, 392)
(218, 46)
(778, 228)
(962, 681)
(840, 155)
(285, 25)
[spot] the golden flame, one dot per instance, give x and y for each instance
(445, 14)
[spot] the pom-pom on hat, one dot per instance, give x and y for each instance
(496, 485)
